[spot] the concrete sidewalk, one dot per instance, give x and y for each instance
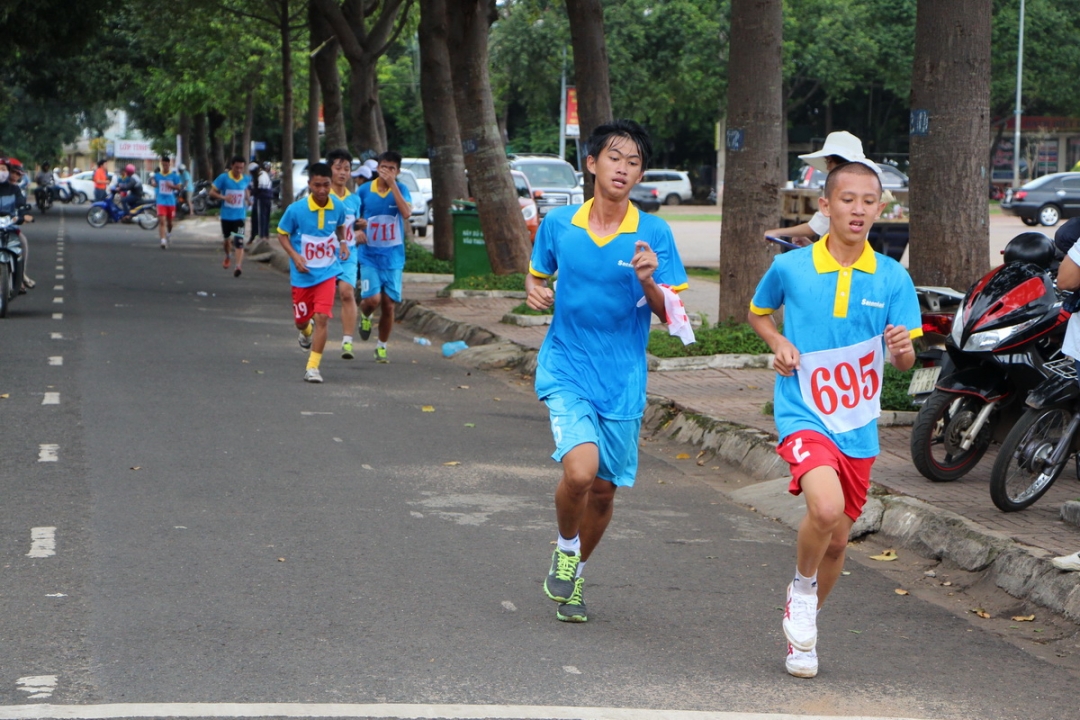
(721, 410)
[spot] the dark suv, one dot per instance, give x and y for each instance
(1045, 200)
(553, 177)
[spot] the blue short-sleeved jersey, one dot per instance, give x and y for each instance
(312, 232)
(166, 193)
(596, 345)
(874, 292)
(351, 205)
(234, 206)
(385, 246)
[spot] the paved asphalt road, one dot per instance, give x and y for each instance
(214, 530)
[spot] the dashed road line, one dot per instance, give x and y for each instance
(47, 452)
(60, 276)
(58, 316)
(56, 359)
(56, 336)
(58, 301)
(42, 542)
(51, 398)
(58, 287)
(40, 687)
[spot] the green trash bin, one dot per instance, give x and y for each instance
(470, 253)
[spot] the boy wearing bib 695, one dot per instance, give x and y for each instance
(845, 307)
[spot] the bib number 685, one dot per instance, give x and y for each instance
(843, 385)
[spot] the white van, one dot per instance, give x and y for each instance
(674, 185)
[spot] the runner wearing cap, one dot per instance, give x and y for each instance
(839, 147)
(831, 366)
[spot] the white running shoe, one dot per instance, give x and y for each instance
(800, 620)
(1067, 562)
(305, 340)
(313, 375)
(801, 664)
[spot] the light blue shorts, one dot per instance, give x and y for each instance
(349, 270)
(378, 280)
(574, 421)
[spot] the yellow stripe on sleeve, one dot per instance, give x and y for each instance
(679, 288)
(536, 273)
(916, 333)
(761, 311)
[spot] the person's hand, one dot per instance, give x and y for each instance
(540, 298)
(800, 241)
(387, 176)
(361, 237)
(298, 261)
(786, 358)
(898, 340)
(344, 251)
(28, 218)
(644, 261)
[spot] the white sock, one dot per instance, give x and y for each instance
(380, 344)
(580, 569)
(346, 339)
(804, 585)
(572, 545)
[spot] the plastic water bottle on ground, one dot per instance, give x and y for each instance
(421, 341)
(452, 348)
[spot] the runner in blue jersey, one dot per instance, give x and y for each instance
(166, 182)
(611, 261)
(340, 162)
(384, 205)
(312, 233)
(831, 367)
(233, 188)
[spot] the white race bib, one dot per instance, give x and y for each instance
(384, 231)
(318, 252)
(350, 237)
(234, 198)
(843, 386)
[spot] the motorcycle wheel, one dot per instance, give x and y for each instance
(935, 436)
(5, 289)
(97, 217)
(1021, 474)
(198, 205)
(148, 218)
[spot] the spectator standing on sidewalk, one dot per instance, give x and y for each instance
(263, 199)
(831, 367)
(101, 182)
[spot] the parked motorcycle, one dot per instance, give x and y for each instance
(1039, 446)
(12, 260)
(110, 210)
(1010, 323)
(938, 307)
(201, 199)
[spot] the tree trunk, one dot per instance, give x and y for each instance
(440, 124)
(365, 133)
(485, 156)
(217, 148)
(313, 114)
(752, 176)
(184, 130)
(329, 81)
(249, 125)
(203, 169)
(287, 192)
(377, 120)
(950, 80)
(590, 69)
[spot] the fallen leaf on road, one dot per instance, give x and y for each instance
(1023, 618)
(752, 387)
(901, 591)
(5, 396)
(715, 467)
(661, 482)
(700, 463)
(260, 372)
(496, 399)
(981, 613)
(947, 583)
(470, 424)
(137, 467)
(428, 408)
(452, 462)
(700, 454)
(281, 559)
(857, 632)
(682, 456)
(886, 556)
(845, 572)
(463, 387)
(246, 362)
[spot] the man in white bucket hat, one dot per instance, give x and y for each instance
(839, 148)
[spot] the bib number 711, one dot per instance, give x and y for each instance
(842, 387)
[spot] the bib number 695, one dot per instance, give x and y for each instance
(843, 385)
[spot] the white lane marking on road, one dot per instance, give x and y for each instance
(42, 542)
(58, 316)
(47, 452)
(56, 336)
(51, 398)
(58, 301)
(571, 669)
(509, 606)
(57, 595)
(58, 287)
(313, 412)
(387, 710)
(59, 276)
(40, 687)
(59, 267)
(56, 359)
(338, 440)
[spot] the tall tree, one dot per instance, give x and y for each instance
(327, 50)
(365, 30)
(440, 124)
(752, 174)
(590, 68)
(503, 226)
(950, 88)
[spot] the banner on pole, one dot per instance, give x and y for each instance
(573, 129)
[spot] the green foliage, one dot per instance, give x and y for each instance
(399, 95)
(524, 309)
(894, 390)
(720, 339)
(1051, 56)
(513, 281)
(419, 260)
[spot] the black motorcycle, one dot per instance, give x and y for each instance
(201, 199)
(1009, 325)
(12, 260)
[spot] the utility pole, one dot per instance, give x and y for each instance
(562, 108)
(1016, 116)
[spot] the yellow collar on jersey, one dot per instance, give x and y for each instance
(629, 223)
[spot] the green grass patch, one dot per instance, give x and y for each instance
(514, 281)
(720, 339)
(524, 309)
(419, 259)
(686, 217)
(894, 394)
(704, 273)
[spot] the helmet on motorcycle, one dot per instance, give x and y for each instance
(129, 169)
(1030, 247)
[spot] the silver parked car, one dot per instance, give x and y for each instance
(553, 177)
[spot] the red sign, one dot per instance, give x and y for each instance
(573, 129)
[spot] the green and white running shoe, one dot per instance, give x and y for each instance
(346, 351)
(573, 610)
(559, 585)
(380, 355)
(365, 327)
